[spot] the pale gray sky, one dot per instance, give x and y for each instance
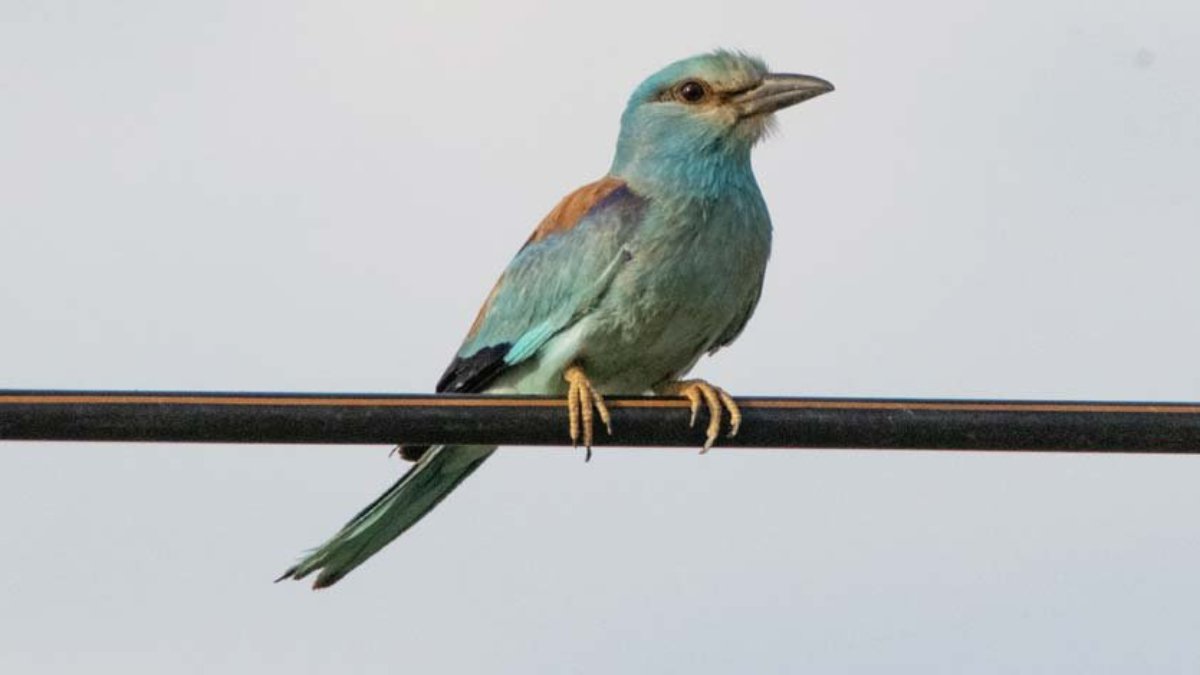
(1000, 200)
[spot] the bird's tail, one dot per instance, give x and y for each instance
(438, 472)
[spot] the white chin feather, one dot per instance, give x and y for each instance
(756, 128)
(764, 126)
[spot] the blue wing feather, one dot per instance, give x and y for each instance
(549, 285)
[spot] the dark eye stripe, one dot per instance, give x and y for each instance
(672, 93)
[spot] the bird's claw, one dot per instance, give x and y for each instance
(716, 399)
(583, 403)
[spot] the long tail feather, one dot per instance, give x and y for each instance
(438, 472)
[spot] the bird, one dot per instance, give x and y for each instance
(622, 286)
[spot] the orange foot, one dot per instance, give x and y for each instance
(717, 400)
(582, 397)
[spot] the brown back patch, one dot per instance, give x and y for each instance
(574, 207)
(561, 218)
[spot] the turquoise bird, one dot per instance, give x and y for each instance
(622, 287)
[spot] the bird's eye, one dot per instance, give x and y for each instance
(691, 91)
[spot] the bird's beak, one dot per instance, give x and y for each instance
(779, 90)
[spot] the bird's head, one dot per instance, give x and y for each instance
(715, 106)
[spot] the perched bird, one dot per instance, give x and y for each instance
(622, 287)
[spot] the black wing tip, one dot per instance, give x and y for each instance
(412, 453)
(470, 374)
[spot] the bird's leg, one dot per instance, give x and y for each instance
(581, 398)
(715, 398)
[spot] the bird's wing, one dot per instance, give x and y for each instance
(555, 279)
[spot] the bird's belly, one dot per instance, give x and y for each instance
(615, 360)
(640, 335)
(656, 322)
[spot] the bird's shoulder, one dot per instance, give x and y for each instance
(571, 209)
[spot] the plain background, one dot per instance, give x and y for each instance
(1000, 200)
